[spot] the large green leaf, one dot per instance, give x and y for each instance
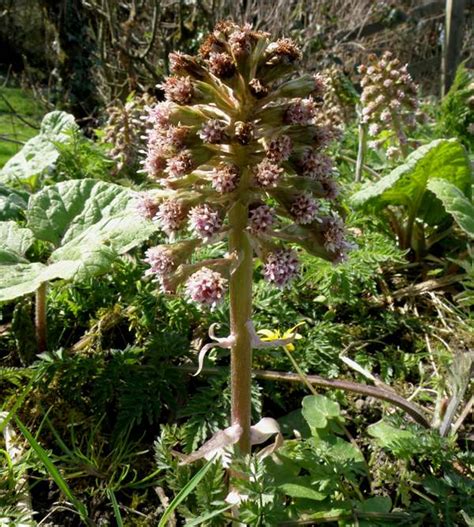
(14, 242)
(63, 212)
(12, 203)
(39, 154)
(456, 203)
(406, 185)
(24, 278)
(90, 224)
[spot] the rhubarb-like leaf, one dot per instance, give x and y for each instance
(89, 223)
(454, 202)
(39, 155)
(406, 186)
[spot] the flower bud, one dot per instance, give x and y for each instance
(244, 132)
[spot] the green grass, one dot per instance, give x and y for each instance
(11, 126)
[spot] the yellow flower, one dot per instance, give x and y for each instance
(270, 335)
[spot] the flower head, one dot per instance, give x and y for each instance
(221, 64)
(146, 206)
(334, 235)
(267, 174)
(206, 287)
(213, 131)
(241, 41)
(279, 148)
(261, 219)
(179, 165)
(258, 89)
(304, 208)
(160, 113)
(281, 267)
(315, 165)
(225, 178)
(178, 89)
(160, 261)
(205, 221)
(300, 111)
(170, 216)
(244, 132)
(284, 51)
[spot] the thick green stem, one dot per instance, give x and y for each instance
(240, 315)
(40, 316)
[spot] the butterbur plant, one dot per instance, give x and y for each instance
(389, 102)
(125, 130)
(237, 155)
(338, 104)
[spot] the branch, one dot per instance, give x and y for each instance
(154, 27)
(17, 115)
(411, 409)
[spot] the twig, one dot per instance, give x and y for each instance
(154, 28)
(165, 502)
(465, 412)
(427, 286)
(8, 140)
(411, 409)
(353, 161)
(17, 115)
(430, 352)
